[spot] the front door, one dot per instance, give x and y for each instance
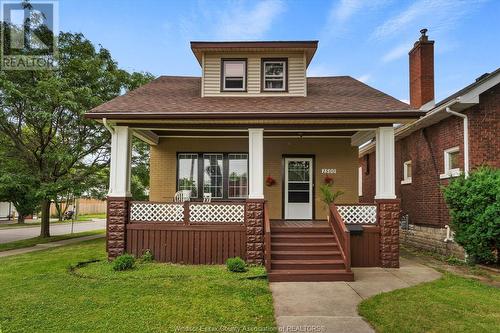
(298, 188)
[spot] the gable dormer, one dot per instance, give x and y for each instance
(256, 69)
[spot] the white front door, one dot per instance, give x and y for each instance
(298, 188)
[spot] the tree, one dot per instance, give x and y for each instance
(42, 114)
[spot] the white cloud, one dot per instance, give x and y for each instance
(438, 16)
(397, 52)
(320, 70)
(364, 78)
(241, 22)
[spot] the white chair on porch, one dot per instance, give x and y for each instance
(207, 197)
(182, 196)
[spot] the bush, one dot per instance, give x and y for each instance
(124, 262)
(474, 205)
(236, 265)
(147, 256)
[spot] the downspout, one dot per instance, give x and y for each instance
(105, 123)
(466, 138)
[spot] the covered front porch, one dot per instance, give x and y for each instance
(263, 185)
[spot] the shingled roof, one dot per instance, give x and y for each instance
(175, 96)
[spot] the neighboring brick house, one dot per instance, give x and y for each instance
(430, 151)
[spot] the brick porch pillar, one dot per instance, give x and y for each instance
(116, 226)
(254, 219)
(388, 220)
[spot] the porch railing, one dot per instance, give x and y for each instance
(342, 235)
(358, 213)
(187, 212)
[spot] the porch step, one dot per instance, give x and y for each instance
(277, 230)
(310, 275)
(301, 237)
(301, 255)
(307, 264)
(282, 246)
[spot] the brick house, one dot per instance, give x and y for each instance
(238, 157)
(456, 135)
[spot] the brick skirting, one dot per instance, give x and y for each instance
(388, 220)
(116, 226)
(255, 231)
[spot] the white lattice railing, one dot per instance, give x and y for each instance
(197, 212)
(217, 213)
(358, 214)
(156, 212)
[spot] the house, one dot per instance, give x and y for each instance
(256, 138)
(455, 136)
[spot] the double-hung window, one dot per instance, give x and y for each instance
(234, 75)
(223, 175)
(274, 74)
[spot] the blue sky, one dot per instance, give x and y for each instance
(368, 40)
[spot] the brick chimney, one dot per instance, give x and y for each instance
(422, 71)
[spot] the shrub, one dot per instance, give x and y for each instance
(236, 265)
(124, 262)
(474, 204)
(327, 195)
(147, 256)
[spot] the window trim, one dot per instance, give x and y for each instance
(197, 171)
(200, 174)
(360, 181)
(448, 173)
(222, 76)
(263, 77)
(407, 178)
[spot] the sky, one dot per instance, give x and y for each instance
(368, 40)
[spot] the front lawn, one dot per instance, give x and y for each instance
(450, 304)
(42, 240)
(39, 293)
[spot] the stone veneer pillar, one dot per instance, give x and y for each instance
(116, 226)
(254, 219)
(388, 220)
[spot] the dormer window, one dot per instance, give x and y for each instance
(234, 74)
(274, 74)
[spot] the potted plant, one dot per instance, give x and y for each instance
(328, 196)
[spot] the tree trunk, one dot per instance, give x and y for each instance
(58, 206)
(20, 218)
(45, 226)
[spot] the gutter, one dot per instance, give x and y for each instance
(466, 138)
(109, 128)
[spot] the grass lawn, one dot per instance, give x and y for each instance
(450, 304)
(38, 240)
(40, 294)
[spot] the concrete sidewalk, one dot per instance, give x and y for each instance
(331, 307)
(44, 246)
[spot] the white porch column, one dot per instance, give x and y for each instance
(256, 163)
(385, 182)
(119, 175)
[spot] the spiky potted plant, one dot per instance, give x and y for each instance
(328, 196)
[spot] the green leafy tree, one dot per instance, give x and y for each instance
(42, 114)
(474, 204)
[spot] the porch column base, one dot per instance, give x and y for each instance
(388, 220)
(254, 220)
(116, 226)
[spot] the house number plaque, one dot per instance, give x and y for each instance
(327, 171)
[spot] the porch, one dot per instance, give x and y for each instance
(284, 226)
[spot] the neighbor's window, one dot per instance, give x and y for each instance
(274, 75)
(187, 174)
(238, 175)
(451, 166)
(233, 72)
(213, 174)
(406, 173)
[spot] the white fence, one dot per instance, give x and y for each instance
(358, 214)
(197, 212)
